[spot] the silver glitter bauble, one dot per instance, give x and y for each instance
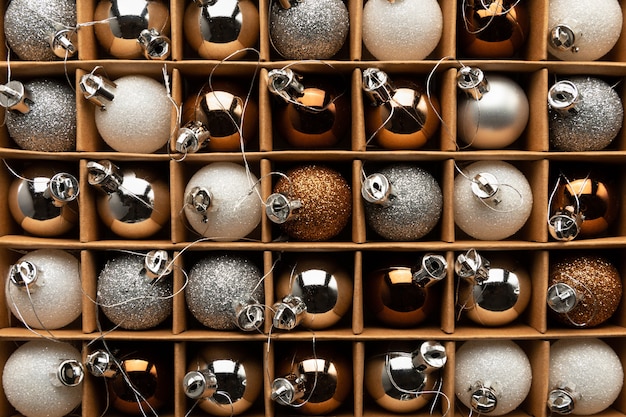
(414, 206)
(50, 125)
(308, 29)
(129, 297)
(217, 284)
(44, 289)
(29, 25)
(586, 114)
(31, 379)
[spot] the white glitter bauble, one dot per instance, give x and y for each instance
(29, 23)
(414, 207)
(595, 121)
(591, 368)
(217, 283)
(29, 380)
(235, 206)
(131, 299)
(484, 219)
(596, 24)
(50, 125)
(138, 118)
(309, 29)
(401, 30)
(499, 364)
(54, 299)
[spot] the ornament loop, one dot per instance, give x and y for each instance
(472, 82)
(563, 38)
(279, 208)
(200, 384)
(155, 46)
(249, 316)
(377, 86)
(285, 84)
(63, 43)
(484, 398)
(97, 89)
(104, 175)
(193, 136)
(562, 298)
(157, 264)
(564, 97)
(70, 373)
(23, 274)
(377, 189)
(472, 266)
(433, 269)
(99, 363)
(14, 96)
(63, 188)
(431, 356)
(288, 313)
(288, 390)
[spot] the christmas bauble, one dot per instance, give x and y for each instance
(492, 29)
(129, 29)
(583, 290)
(42, 200)
(313, 291)
(492, 111)
(133, 203)
(491, 376)
(585, 113)
(223, 290)
(217, 29)
(226, 379)
(401, 30)
(586, 376)
(413, 207)
(492, 200)
(494, 294)
(312, 382)
(308, 29)
(400, 114)
(310, 112)
(49, 125)
(321, 200)
(35, 29)
(219, 117)
(41, 281)
(584, 30)
(130, 297)
(222, 201)
(47, 370)
(134, 114)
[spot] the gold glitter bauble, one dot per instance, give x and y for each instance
(598, 287)
(326, 202)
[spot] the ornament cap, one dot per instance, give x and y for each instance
(377, 189)
(279, 208)
(285, 84)
(23, 274)
(377, 86)
(200, 199)
(565, 224)
(472, 267)
(287, 390)
(70, 373)
(14, 96)
(431, 356)
(155, 46)
(563, 37)
(484, 398)
(99, 363)
(472, 81)
(97, 89)
(192, 137)
(157, 264)
(432, 270)
(485, 186)
(249, 315)
(200, 384)
(63, 188)
(564, 97)
(562, 298)
(104, 175)
(562, 401)
(289, 312)
(63, 43)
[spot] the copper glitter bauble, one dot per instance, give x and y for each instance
(584, 290)
(326, 202)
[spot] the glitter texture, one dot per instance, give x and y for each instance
(55, 297)
(326, 202)
(29, 23)
(598, 284)
(597, 121)
(50, 125)
(500, 364)
(415, 205)
(488, 221)
(236, 207)
(129, 298)
(138, 118)
(27, 376)
(592, 368)
(310, 29)
(401, 30)
(599, 23)
(216, 283)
